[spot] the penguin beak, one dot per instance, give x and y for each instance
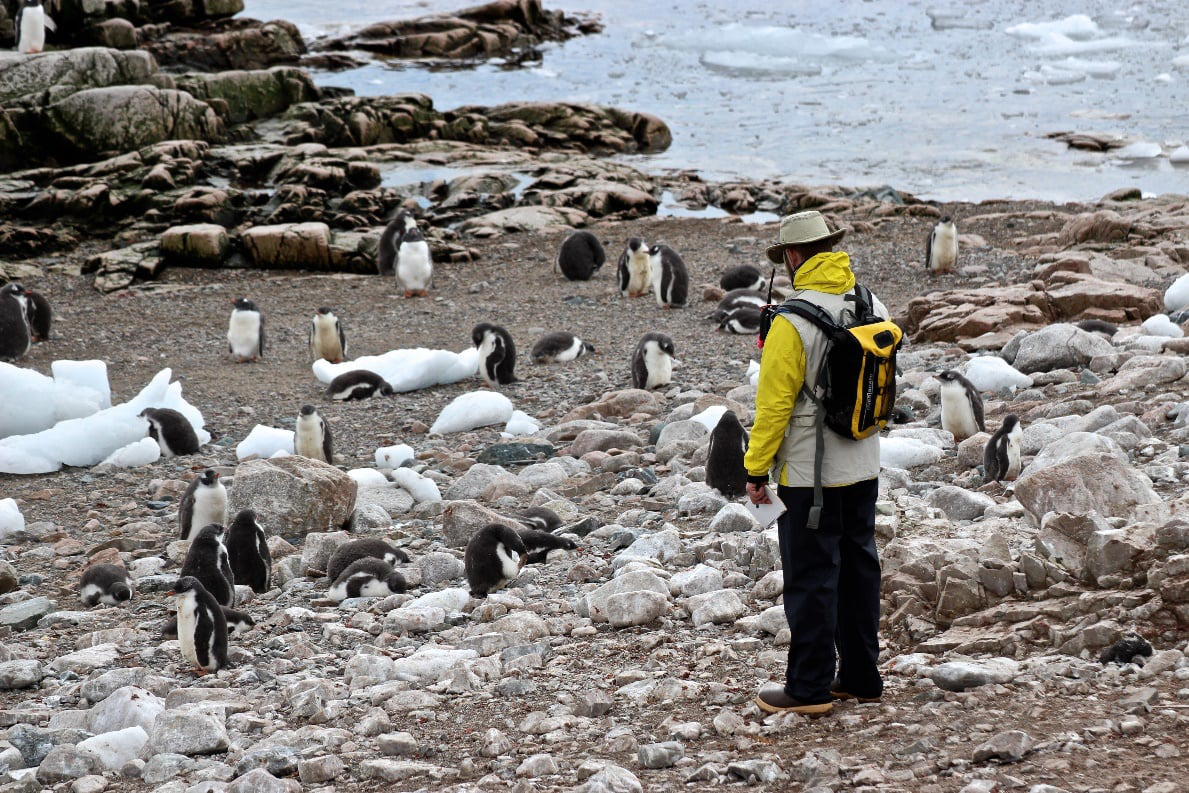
(171, 592)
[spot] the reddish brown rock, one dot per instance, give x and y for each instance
(1103, 226)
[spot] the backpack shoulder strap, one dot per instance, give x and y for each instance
(810, 311)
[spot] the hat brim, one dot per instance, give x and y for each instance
(776, 252)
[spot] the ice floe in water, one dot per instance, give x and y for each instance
(749, 63)
(776, 43)
(1140, 150)
(1077, 26)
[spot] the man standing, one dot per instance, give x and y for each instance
(831, 572)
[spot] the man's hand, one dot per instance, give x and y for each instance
(757, 494)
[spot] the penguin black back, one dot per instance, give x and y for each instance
(40, 315)
(652, 362)
(580, 256)
(539, 544)
(247, 552)
(205, 642)
(367, 577)
(1101, 326)
(15, 337)
(540, 518)
(745, 276)
(238, 622)
(670, 279)
(497, 353)
(494, 556)
(207, 561)
(725, 471)
(105, 583)
(1126, 650)
(1001, 457)
(172, 431)
(358, 384)
(365, 548)
(390, 241)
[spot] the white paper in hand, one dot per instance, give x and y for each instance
(766, 514)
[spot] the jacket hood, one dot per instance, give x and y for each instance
(826, 272)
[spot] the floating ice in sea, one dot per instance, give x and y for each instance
(1176, 297)
(739, 62)
(774, 41)
(1140, 150)
(408, 370)
(992, 374)
(1181, 61)
(1161, 325)
(1078, 26)
(1179, 155)
(265, 441)
(473, 409)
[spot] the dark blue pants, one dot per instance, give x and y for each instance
(831, 592)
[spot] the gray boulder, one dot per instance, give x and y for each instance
(461, 520)
(958, 503)
(293, 495)
(127, 117)
(1098, 482)
(177, 732)
(1059, 346)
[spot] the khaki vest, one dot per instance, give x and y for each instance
(844, 461)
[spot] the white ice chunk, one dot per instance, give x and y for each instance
(1161, 325)
(473, 409)
(1181, 62)
(451, 599)
(264, 442)
(33, 402)
(408, 370)
(1176, 297)
(145, 451)
(86, 374)
(115, 749)
(421, 488)
(744, 63)
(394, 456)
(1078, 26)
(907, 453)
(11, 519)
(753, 373)
(1179, 154)
(993, 374)
(709, 417)
(1140, 150)
(280, 453)
(368, 477)
(521, 424)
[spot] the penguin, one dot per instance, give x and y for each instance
(326, 336)
(1108, 329)
(402, 222)
(367, 548)
(634, 271)
(540, 518)
(247, 552)
(203, 503)
(358, 384)
(961, 406)
(742, 298)
(941, 251)
(312, 437)
(39, 315)
(245, 332)
(15, 338)
(366, 578)
(580, 256)
(902, 415)
(744, 320)
(31, 24)
(725, 471)
(207, 560)
(652, 363)
(1126, 650)
(745, 276)
(1001, 458)
(414, 264)
(201, 625)
(494, 556)
(497, 354)
(670, 280)
(559, 347)
(108, 584)
(238, 622)
(542, 546)
(171, 430)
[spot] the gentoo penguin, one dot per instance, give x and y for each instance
(742, 298)
(171, 430)
(497, 354)
(652, 363)
(39, 315)
(207, 560)
(725, 471)
(238, 622)
(367, 548)
(634, 271)
(201, 625)
(30, 26)
(203, 503)
(108, 584)
(366, 578)
(1001, 458)
(743, 320)
(559, 347)
(1126, 650)
(312, 437)
(961, 406)
(247, 552)
(902, 415)
(14, 323)
(494, 556)
(542, 546)
(414, 265)
(245, 332)
(326, 336)
(745, 276)
(358, 384)
(941, 251)
(580, 256)
(540, 518)
(403, 221)
(1107, 329)
(670, 280)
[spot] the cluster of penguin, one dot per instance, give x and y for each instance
(25, 317)
(962, 415)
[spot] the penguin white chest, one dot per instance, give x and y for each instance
(1014, 463)
(944, 254)
(659, 365)
(639, 272)
(489, 345)
(509, 561)
(32, 33)
(326, 342)
(210, 506)
(187, 607)
(414, 267)
(957, 416)
(308, 438)
(570, 353)
(243, 333)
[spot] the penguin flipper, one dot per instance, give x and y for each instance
(310, 339)
(342, 337)
(977, 407)
(929, 250)
(50, 24)
(327, 442)
(260, 341)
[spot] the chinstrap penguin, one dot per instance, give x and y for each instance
(1001, 458)
(1126, 650)
(108, 584)
(941, 250)
(15, 337)
(961, 406)
(201, 625)
(358, 384)
(559, 347)
(634, 271)
(414, 264)
(743, 320)
(247, 552)
(367, 548)
(172, 431)
(245, 331)
(312, 437)
(238, 623)
(652, 363)
(207, 560)
(725, 471)
(39, 314)
(540, 518)
(366, 578)
(31, 24)
(670, 280)
(494, 556)
(542, 546)
(497, 354)
(402, 222)
(326, 336)
(744, 276)
(203, 503)
(580, 256)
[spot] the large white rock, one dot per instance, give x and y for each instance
(723, 605)
(733, 517)
(1059, 346)
(594, 604)
(696, 581)
(1075, 444)
(126, 707)
(176, 732)
(429, 662)
(640, 607)
(114, 749)
(660, 546)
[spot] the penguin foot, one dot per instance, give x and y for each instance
(201, 670)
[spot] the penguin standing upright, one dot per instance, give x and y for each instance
(670, 280)
(201, 625)
(941, 251)
(14, 322)
(39, 314)
(365, 548)
(402, 222)
(172, 431)
(207, 560)
(237, 622)
(494, 556)
(543, 546)
(31, 23)
(1001, 458)
(725, 470)
(559, 347)
(367, 578)
(634, 270)
(326, 336)
(652, 363)
(358, 384)
(497, 354)
(580, 256)
(108, 584)
(247, 552)
(312, 437)
(203, 503)
(414, 264)
(961, 406)
(245, 331)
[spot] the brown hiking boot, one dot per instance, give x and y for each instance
(837, 693)
(774, 700)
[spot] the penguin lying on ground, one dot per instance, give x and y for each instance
(725, 471)
(559, 347)
(172, 431)
(414, 264)
(201, 626)
(238, 623)
(1107, 329)
(580, 256)
(312, 437)
(366, 548)
(39, 315)
(961, 406)
(542, 546)
(745, 276)
(245, 331)
(941, 251)
(735, 300)
(670, 279)
(204, 502)
(358, 384)
(1001, 458)
(744, 321)
(540, 518)
(494, 556)
(15, 337)
(247, 552)
(31, 24)
(634, 270)
(366, 578)
(1126, 650)
(497, 354)
(652, 363)
(207, 561)
(108, 584)
(402, 222)
(327, 339)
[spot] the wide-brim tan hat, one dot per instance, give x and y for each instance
(801, 229)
